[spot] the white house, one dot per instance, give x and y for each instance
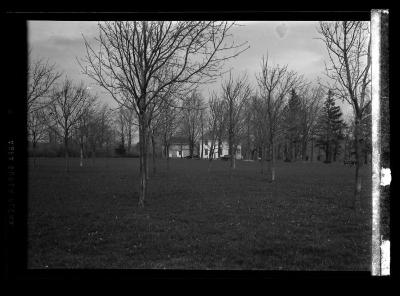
(224, 149)
(179, 148)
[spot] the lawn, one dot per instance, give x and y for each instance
(195, 218)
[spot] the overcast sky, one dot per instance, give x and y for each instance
(291, 43)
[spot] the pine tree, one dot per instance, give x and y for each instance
(331, 126)
(292, 125)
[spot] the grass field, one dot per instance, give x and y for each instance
(195, 219)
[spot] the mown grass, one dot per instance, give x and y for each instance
(197, 219)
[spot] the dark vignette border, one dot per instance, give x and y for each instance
(15, 218)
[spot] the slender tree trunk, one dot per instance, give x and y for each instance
(272, 160)
(231, 149)
(154, 154)
(202, 135)
(81, 158)
(143, 156)
(66, 153)
(211, 156)
(167, 157)
(191, 147)
(34, 152)
(304, 149)
(93, 155)
(312, 149)
(146, 151)
(357, 189)
(219, 147)
(234, 157)
(262, 159)
(335, 152)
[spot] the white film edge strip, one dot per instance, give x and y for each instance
(380, 176)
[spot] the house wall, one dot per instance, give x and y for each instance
(178, 151)
(225, 149)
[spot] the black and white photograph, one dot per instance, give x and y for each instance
(207, 145)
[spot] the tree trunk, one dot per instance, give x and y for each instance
(357, 188)
(93, 155)
(147, 153)
(191, 147)
(231, 150)
(272, 160)
(167, 147)
(234, 157)
(304, 149)
(142, 158)
(312, 150)
(66, 153)
(262, 159)
(335, 152)
(211, 155)
(327, 152)
(34, 152)
(129, 139)
(154, 154)
(202, 135)
(81, 158)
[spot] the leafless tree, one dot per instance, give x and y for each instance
(169, 123)
(82, 131)
(139, 63)
(66, 109)
(37, 129)
(42, 77)
(128, 116)
(235, 93)
(215, 124)
(311, 105)
(274, 84)
(120, 123)
(259, 125)
(191, 119)
(105, 116)
(349, 48)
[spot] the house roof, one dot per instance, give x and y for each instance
(208, 136)
(179, 140)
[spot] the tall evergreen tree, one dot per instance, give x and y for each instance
(331, 126)
(293, 119)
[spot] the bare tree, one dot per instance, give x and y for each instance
(311, 105)
(66, 109)
(105, 116)
(259, 125)
(274, 84)
(236, 93)
(139, 63)
(42, 77)
(215, 126)
(82, 131)
(129, 116)
(191, 119)
(169, 123)
(348, 44)
(37, 129)
(120, 123)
